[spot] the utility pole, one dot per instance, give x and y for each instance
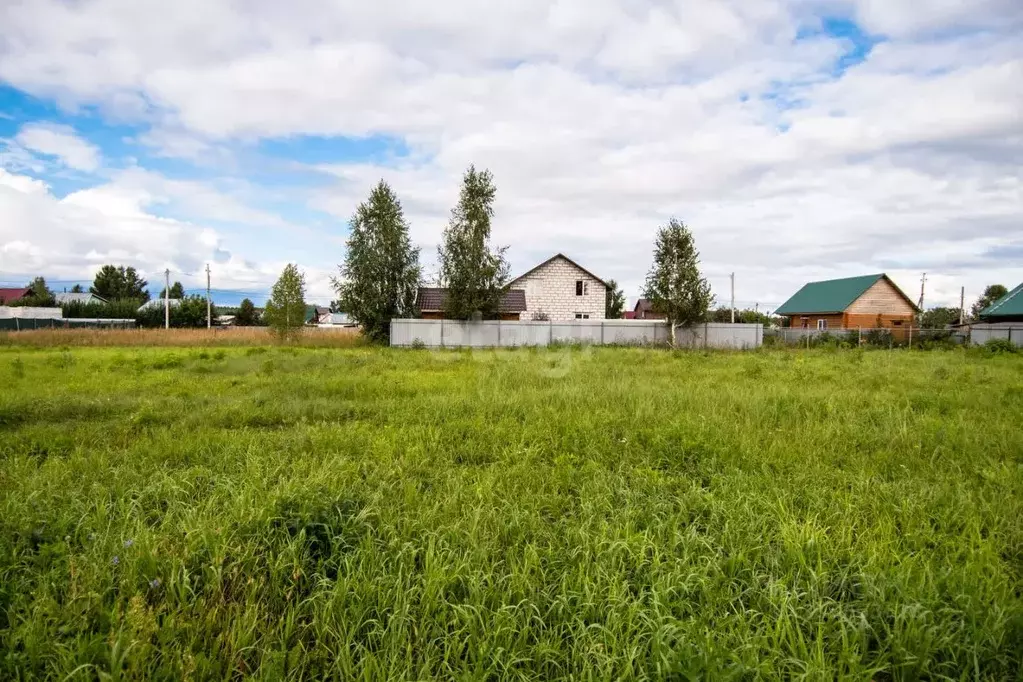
(733, 297)
(166, 299)
(962, 305)
(923, 280)
(209, 307)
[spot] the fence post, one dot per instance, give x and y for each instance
(442, 332)
(499, 332)
(550, 332)
(602, 332)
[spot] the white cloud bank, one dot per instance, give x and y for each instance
(61, 142)
(599, 118)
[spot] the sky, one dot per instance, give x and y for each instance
(799, 140)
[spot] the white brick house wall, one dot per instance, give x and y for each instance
(551, 289)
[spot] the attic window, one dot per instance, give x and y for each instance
(582, 316)
(581, 288)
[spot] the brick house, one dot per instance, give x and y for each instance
(867, 302)
(559, 289)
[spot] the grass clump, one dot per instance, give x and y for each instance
(594, 513)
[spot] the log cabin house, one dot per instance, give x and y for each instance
(867, 302)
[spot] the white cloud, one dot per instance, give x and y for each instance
(599, 118)
(69, 238)
(61, 142)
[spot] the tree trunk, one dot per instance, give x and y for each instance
(671, 323)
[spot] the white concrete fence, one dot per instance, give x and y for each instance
(981, 333)
(493, 334)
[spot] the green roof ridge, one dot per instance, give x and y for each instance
(828, 296)
(1010, 304)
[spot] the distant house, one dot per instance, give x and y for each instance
(313, 313)
(78, 297)
(12, 295)
(870, 301)
(158, 303)
(559, 289)
(329, 319)
(430, 302)
(644, 310)
(1008, 308)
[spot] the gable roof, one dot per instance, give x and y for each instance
(77, 297)
(14, 294)
(432, 299)
(553, 258)
(1009, 305)
(833, 295)
(643, 305)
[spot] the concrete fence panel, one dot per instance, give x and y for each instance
(492, 334)
(981, 333)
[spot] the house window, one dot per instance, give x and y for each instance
(581, 288)
(582, 316)
(897, 323)
(822, 325)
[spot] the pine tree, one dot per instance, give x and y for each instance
(246, 315)
(114, 283)
(41, 295)
(285, 311)
(176, 291)
(674, 284)
(380, 276)
(473, 272)
(615, 304)
(77, 289)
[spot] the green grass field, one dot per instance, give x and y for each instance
(587, 514)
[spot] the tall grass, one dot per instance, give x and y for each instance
(293, 513)
(218, 336)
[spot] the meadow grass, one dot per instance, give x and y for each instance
(216, 337)
(367, 513)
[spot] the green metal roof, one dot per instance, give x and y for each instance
(1009, 305)
(829, 296)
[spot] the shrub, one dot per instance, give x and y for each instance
(1000, 346)
(879, 338)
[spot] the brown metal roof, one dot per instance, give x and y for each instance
(644, 305)
(555, 256)
(9, 295)
(432, 299)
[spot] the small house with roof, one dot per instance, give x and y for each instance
(430, 301)
(867, 302)
(1008, 308)
(12, 295)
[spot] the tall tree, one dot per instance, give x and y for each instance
(246, 315)
(77, 289)
(119, 282)
(474, 272)
(176, 291)
(614, 306)
(285, 311)
(380, 276)
(41, 295)
(991, 294)
(674, 284)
